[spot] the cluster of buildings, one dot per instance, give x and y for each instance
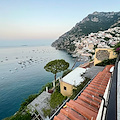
(102, 39)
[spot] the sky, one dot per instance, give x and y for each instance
(26, 20)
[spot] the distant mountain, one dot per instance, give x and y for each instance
(98, 21)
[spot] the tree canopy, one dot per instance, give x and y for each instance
(56, 66)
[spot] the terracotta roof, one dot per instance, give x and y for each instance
(87, 105)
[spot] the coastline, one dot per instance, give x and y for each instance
(27, 80)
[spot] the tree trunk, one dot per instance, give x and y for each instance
(55, 77)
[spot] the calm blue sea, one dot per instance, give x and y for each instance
(22, 74)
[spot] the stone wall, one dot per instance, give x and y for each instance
(102, 55)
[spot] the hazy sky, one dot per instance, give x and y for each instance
(46, 19)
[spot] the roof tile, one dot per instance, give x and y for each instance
(82, 110)
(83, 103)
(92, 93)
(60, 116)
(97, 87)
(72, 114)
(89, 101)
(95, 90)
(91, 96)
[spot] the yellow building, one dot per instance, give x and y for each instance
(66, 89)
(71, 80)
(103, 54)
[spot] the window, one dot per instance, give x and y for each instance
(65, 88)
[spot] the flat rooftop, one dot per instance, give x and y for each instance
(93, 71)
(74, 77)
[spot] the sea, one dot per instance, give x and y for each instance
(22, 73)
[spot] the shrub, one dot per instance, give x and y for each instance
(112, 34)
(95, 46)
(92, 53)
(57, 88)
(46, 112)
(79, 88)
(106, 38)
(72, 47)
(107, 62)
(56, 99)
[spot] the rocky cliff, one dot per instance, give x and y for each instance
(98, 21)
